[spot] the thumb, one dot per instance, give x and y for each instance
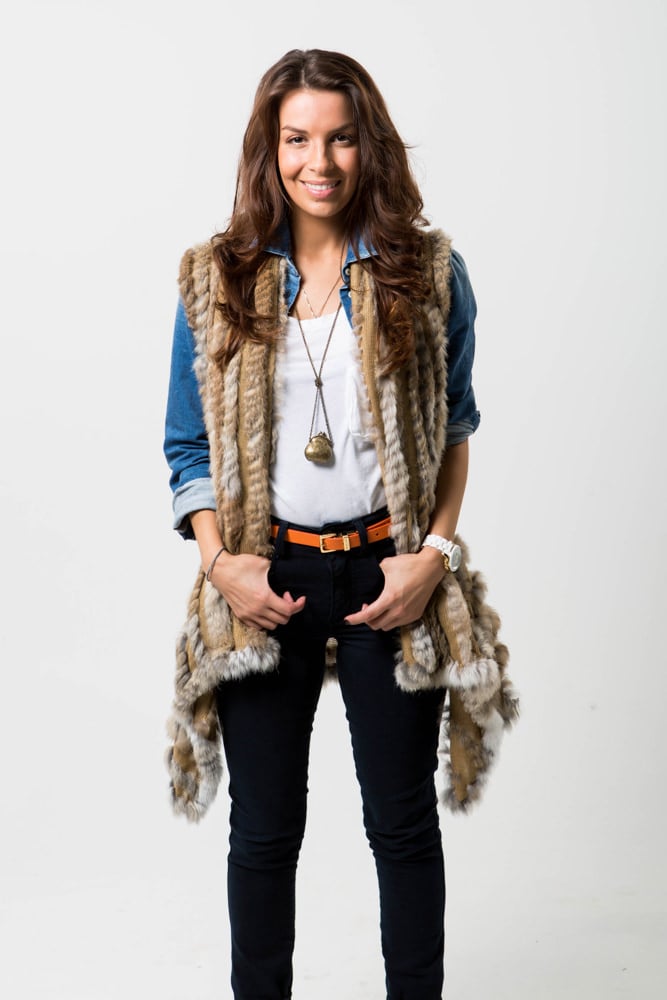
(299, 602)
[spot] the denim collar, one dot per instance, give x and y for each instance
(281, 245)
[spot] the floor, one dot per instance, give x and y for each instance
(107, 895)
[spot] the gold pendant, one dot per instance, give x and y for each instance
(319, 449)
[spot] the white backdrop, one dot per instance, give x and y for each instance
(539, 142)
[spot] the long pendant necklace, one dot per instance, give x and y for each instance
(320, 446)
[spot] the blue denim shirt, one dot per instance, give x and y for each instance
(186, 442)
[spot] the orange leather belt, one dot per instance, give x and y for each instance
(332, 542)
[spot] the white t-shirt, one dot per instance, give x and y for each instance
(302, 491)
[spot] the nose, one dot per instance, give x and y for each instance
(319, 160)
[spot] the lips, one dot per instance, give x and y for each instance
(320, 188)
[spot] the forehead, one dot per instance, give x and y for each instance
(307, 108)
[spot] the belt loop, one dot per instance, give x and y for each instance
(279, 543)
(363, 534)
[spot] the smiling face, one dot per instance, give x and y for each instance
(318, 152)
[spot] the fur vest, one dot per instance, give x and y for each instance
(454, 646)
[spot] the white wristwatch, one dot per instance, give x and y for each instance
(450, 551)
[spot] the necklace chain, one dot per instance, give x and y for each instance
(316, 315)
(319, 396)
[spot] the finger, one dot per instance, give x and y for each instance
(362, 617)
(280, 605)
(259, 623)
(356, 619)
(281, 610)
(370, 623)
(270, 622)
(296, 604)
(371, 612)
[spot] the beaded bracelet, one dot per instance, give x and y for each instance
(213, 562)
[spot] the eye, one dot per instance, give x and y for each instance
(343, 137)
(295, 140)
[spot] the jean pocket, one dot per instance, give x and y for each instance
(365, 580)
(285, 574)
(272, 576)
(383, 550)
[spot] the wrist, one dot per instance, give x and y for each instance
(430, 556)
(449, 552)
(212, 559)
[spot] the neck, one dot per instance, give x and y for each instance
(316, 237)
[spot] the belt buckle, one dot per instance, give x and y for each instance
(332, 534)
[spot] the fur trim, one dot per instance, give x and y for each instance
(206, 656)
(454, 646)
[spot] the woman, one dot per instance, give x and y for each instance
(318, 419)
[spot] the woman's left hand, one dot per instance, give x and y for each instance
(410, 580)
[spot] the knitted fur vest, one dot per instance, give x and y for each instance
(455, 645)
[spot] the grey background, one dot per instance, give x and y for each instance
(538, 135)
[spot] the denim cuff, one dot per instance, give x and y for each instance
(461, 430)
(197, 494)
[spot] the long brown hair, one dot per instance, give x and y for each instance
(385, 211)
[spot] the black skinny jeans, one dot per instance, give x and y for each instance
(267, 722)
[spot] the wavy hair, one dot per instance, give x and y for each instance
(385, 210)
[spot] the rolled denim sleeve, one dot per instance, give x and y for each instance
(464, 416)
(186, 445)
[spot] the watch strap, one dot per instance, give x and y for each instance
(444, 547)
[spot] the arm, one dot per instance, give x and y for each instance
(411, 578)
(450, 489)
(242, 579)
(185, 441)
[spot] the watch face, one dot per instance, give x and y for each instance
(455, 558)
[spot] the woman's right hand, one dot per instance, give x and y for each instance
(243, 581)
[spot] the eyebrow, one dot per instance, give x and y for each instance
(339, 128)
